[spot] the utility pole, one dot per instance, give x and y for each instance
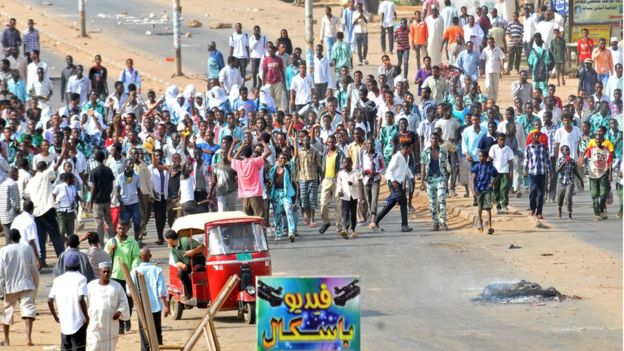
(83, 19)
(177, 10)
(309, 36)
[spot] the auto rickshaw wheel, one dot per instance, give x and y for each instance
(176, 308)
(249, 313)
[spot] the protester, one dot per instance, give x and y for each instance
(122, 249)
(19, 280)
(84, 267)
(484, 174)
(108, 307)
(69, 291)
(434, 170)
(156, 293)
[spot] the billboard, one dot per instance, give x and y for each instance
(308, 313)
(596, 11)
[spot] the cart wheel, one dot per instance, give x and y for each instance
(249, 313)
(176, 308)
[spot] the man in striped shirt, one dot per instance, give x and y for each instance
(515, 31)
(9, 200)
(536, 166)
(402, 36)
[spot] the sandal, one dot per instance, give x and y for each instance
(490, 231)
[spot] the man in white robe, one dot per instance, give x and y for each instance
(108, 304)
(435, 32)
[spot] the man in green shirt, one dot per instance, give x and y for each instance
(185, 251)
(121, 247)
(558, 50)
(341, 54)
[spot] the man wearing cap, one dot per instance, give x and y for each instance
(19, 278)
(108, 304)
(156, 292)
(69, 291)
(587, 77)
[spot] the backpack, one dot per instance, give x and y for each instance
(540, 71)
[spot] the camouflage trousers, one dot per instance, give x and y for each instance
(437, 191)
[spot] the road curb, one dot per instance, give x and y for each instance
(71, 45)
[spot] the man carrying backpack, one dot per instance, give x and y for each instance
(540, 63)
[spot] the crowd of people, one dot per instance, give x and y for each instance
(278, 137)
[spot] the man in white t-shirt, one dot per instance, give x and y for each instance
(387, 13)
(25, 223)
(492, 59)
(239, 48)
(257, 50)
(69, 291)
(79, 84)
(568, 135)
(301, 89)
(230, 76)
(502, 159)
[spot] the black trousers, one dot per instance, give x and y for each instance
(157, 322)
(515, 53)
(255, 69)
(242, 66)
(201, 195)
(349, 213)
(47, 224)
(160, 216)
(185, 278)
(397, 196)
(75, 342)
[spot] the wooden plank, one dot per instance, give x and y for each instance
(133, 292)
(214, 335)
(225, 292)
(209, 338)
(147, 311)
(170, 347)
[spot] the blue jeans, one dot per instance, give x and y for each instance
(403, 57)
(604, 78)
(329, 43)
(282, 207)
(132, 212)
(537, 185)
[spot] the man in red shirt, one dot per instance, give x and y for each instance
(584, 47)
(401, 36)
(273, 74)
(249, 179)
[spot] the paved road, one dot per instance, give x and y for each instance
(106, 16)
(605, 234)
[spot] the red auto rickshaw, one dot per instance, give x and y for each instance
(235, 244)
